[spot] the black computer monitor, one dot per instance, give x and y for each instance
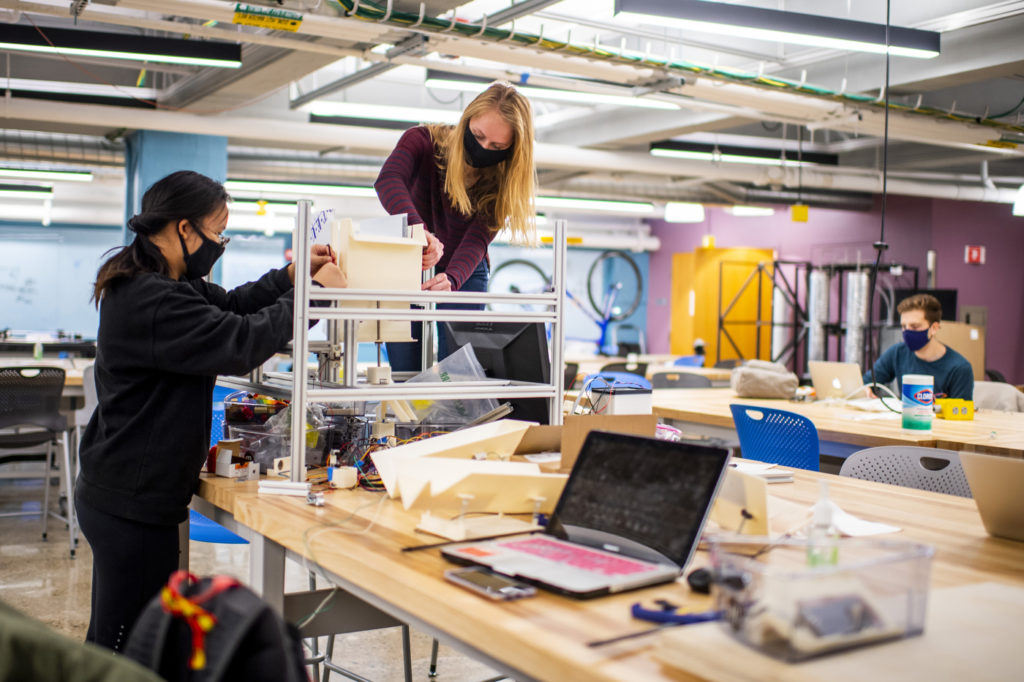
(510, 350)
(946, 298)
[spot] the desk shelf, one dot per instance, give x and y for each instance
(343, 318)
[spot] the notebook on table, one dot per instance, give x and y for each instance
(836, 380)
(996, 484)
(630, 516)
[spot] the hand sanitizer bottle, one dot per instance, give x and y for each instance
(823, 538)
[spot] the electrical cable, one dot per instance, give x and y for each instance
(1008, 112)
(880, 246)
(368, 11)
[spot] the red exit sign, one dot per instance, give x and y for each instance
(974, 255)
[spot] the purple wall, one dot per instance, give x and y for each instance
(913, 226)
(998, 284)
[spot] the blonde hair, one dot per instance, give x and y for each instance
(503, 192)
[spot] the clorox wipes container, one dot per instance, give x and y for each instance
(918, 398)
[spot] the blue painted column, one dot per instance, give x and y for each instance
(152, 154)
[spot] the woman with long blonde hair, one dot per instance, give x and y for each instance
(464, 183)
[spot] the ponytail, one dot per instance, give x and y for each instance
(140, 256)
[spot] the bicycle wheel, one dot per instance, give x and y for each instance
(517, 277)
(615, 285)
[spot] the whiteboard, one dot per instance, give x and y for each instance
(47, 275)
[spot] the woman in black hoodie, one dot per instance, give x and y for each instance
(164, 336)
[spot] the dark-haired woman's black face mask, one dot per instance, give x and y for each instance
(477, 156)
(199, 263)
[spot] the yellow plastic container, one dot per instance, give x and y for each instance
(954, 409)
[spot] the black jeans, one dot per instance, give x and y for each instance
(407, 357)
(131, 561)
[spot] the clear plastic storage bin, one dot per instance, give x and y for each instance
(774, 601)
(265, 445)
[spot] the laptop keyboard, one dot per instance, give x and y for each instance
(579, 557)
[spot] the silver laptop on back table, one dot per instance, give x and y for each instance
(836, 380)
(996, 484)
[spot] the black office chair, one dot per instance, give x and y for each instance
(30, 417)
(572, 369)
(630, 367)
(995, 375)
(679, 380)
(727, 364)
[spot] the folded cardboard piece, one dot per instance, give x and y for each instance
(576, 428)
(467, 486)
(495, 441)
(230, 464)
(501, 440)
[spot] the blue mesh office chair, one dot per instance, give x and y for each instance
(623, 379)
(777, 436)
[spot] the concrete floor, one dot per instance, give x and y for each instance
(40, 579)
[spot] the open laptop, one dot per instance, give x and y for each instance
(630, 515)
(996, 483)
(836, 380)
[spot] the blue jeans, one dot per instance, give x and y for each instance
(407, 357)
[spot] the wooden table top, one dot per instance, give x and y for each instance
(592, 364)
(545, 637)
(995, 432)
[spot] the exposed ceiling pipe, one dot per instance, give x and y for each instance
(121, 17)
(757, 195)
(577, 85)
(815, 110)
(711, 193)
(244, 130)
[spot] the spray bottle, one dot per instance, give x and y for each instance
(823, 538)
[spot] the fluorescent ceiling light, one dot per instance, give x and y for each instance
(383, 112)
(750, 211)
(1018, 204)
(127, 46)
(570, 96)
(759, 156)
(33, 174)
(268, 225)
(299, 188)
(75, 88)
(683, 212)
(635, 207)
(778, 26)
(25, 192)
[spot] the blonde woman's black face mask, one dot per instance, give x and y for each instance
(477, 156)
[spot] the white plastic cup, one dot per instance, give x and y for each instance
(918, 398)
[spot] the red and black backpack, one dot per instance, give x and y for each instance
(215, 629)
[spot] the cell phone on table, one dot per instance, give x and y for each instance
(488, 583)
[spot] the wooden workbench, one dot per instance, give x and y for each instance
(357, 539)
(999, 433)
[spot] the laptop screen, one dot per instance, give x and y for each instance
(652, 492)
